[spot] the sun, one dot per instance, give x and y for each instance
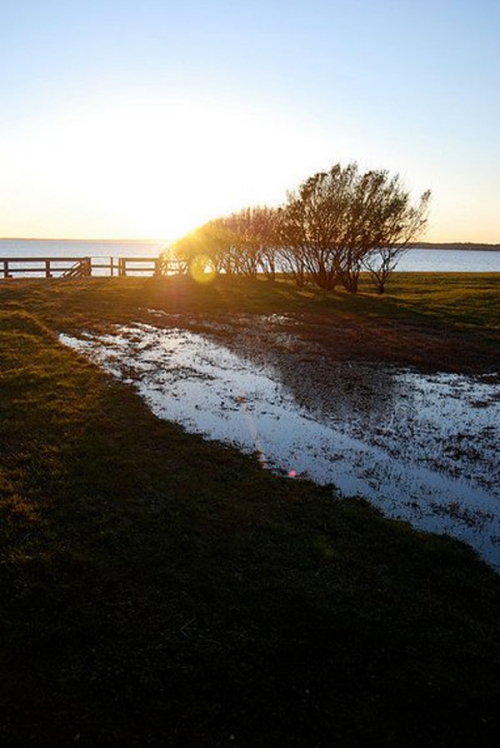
(202, 269)
(149, 166)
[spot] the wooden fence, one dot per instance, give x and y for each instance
(84, 267)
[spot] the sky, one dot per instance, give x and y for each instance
(145, 119)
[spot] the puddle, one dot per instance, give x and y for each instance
(421, 447)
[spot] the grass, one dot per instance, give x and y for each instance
(467, 302)
(159, 590)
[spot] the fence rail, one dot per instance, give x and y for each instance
(84, 267)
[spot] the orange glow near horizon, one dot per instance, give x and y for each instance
(146, 167)
(143, 168)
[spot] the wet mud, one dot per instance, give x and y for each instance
(421, 444)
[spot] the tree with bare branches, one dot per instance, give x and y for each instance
(342, 221)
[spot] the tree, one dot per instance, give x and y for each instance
(213, 240)
(265, 225)
(313, 224)
(245, 242)
(253, 231)
(402, 224)
(342, 220)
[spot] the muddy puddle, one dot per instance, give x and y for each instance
(421, 447)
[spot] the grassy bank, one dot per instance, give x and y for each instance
(156, 589)
(463, 302)
(430, 320)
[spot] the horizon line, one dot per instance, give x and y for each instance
(164, 240)
(121, 240)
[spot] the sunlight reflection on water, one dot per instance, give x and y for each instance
(421, 447)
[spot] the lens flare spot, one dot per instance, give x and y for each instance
(202, 269)
(292, 473)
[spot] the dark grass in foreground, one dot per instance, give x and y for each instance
(156, 589)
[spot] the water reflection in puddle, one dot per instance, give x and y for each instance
(420, 447)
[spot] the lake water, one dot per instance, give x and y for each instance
(421, 447)
(100, 251)
(451, 260)
(435, 260)
(72, 248)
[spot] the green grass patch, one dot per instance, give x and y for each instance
(468, 302)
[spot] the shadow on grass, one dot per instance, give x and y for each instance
(161, 590)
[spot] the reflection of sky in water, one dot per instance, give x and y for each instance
(421, 447)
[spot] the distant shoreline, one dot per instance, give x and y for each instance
(460, 246)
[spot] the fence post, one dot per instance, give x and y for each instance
(47, 269)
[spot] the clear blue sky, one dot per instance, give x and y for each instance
(146, 118)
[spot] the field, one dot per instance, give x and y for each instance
(160, 590)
